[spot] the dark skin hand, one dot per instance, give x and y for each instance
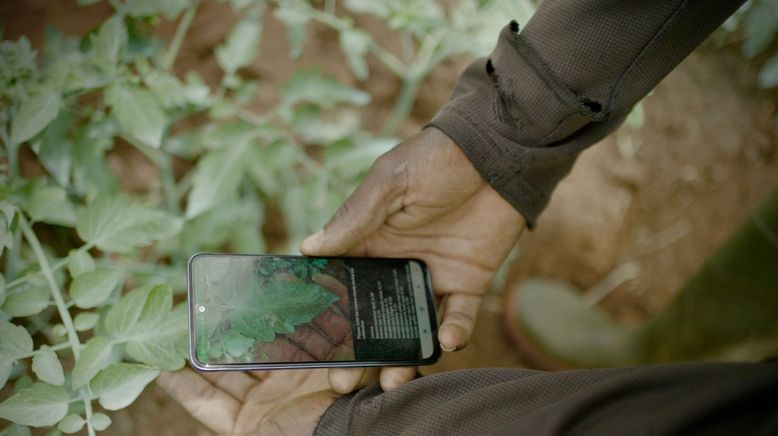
(423, 199)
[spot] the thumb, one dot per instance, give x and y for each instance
(362, 213)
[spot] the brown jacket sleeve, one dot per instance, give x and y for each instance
(563, 83)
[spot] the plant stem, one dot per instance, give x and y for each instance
(57, 347)
(383, 55)
(178, 37)
(403, 105)
(56, 293)
(54, 268)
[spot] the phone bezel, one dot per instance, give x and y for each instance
(197, 364)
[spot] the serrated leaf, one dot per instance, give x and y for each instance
(36, 112)
(71, 423)
(39, 405)
(47, 367)
(152, 333)
(117, 386)
(216, 176)
(313, 87)
(50, 204)
(93, 288)
(27, 302)
(258, 310)
(80, 262)
(100, 421)
(114, 223)
(242, 44)
(85, 321)
(15, 343)
(355, 44)
(295, 21)
(167, 88)
(111, 40)
(137, 112)
(94, 356)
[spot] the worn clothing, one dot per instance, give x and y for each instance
(522, 116)
(681, 399)
(563, 83)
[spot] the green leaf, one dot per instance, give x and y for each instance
(15, 343)
(257, 310)
(59, 330)
(49, 204)
(117, 386)
(100, 421)
(761, 25)
(85, 321)
(146, 8)
(216, 176)
(27, 302)
(7, 226)
(111, 40)
(93, 288)
(242, 44)
(355, 45)
(16, 430)
(39, 405)
(2, 289)
(71, 423)
(47, 366)
(311, 86)
(768, 75)
(114, 223)
(79, 262)
(153, 334)
(236, 344)
(36, 112)
(294, 18)
(94, 356)
(138, 113)
(167, 88)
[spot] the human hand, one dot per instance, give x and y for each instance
(424, 199)
(258, 402)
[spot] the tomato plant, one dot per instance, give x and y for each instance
(91, 269)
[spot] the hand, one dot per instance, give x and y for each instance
(264, 403)
(424, 199)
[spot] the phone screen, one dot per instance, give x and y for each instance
(281, 311)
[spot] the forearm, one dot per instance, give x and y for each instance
(565, 82)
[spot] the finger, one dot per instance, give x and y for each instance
(362, 213)
(459, 314)
(236, 384)
(394, 377)
(213, 407)
(347, 380)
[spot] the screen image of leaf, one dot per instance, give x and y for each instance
(244, 305)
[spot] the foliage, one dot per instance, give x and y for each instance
(73, 237)
(254, 303)
(758, 21)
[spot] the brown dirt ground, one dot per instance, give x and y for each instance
(707, 156)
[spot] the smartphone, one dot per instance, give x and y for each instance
(250, 312)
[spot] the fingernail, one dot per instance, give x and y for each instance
(444, 348)
(311, 243)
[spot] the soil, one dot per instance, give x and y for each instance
(704, 158)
